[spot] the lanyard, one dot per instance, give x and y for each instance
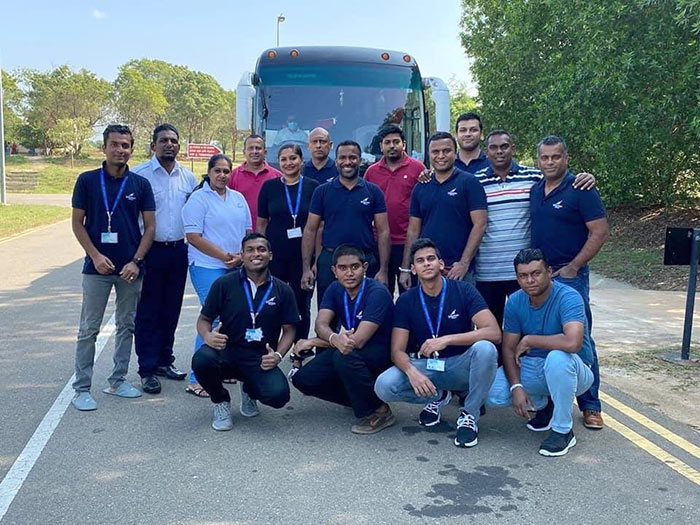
(350, 321)
(249, 297)
(294, 212)
(434, 330)
(110, 212)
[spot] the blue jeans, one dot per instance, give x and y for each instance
(561, 375)
(472, 372)
(588, 400)
(202, 279)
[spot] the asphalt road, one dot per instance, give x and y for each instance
(156, 460)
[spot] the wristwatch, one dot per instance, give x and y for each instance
(138, 261)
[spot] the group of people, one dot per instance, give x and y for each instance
(488, 260)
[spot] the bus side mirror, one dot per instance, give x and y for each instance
(245, 94)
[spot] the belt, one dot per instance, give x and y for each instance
(169, 244)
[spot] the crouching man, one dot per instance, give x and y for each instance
(435, 348)
(546, 352)
(254, 307)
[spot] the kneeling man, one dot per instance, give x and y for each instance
(546, 352)
(435, 348)
(345, 373)
(253, 307)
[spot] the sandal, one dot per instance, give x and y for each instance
(196, 390)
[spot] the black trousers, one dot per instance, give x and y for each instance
(346, 380)
(290, 271)
(495, 294)
(395, 260)
(324, 273)
(158, 311)
(211, 367)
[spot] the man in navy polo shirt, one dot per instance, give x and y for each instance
(346, 371)
(570, 227)
(254, 307)
(450, 210)
(107, 204)
(320, 166)
(349, 208)
(434, 348)
(470, 132)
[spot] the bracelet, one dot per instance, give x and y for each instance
(330, 338)
(516, 385)
(404, 270)
(278, 355)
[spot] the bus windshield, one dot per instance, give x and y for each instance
(351, 101)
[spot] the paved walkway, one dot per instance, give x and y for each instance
(58, 199)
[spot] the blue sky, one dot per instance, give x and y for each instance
(224, 38)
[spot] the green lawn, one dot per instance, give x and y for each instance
(16, 218)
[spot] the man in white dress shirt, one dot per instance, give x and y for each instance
(166, 263)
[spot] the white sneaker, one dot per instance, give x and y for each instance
(249, 407)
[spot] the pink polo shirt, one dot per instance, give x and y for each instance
(396, 186)
(249, 184)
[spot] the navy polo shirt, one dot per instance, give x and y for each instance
(136, 198)
(327, 173)
(376, 306)
(348, 214)
(559, 219)
(477, 164)
(444, 212)
(462, 302)
(227, 300)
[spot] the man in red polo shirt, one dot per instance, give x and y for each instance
(249, 177)
(396, 173)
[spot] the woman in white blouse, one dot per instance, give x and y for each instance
(216, 218)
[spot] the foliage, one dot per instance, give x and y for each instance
(70, 134)
(11, 101)
(619, 80)
(460, 101)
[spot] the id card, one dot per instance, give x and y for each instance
(436, 364)
(253, 334)
(110, 238)
(294, 233)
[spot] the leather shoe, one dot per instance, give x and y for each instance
(171, 372)
(150, 385)
(592, 419)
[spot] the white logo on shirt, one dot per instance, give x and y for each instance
(365, 201)
(271, 301)
(453, 315)
(452, 192)
(131, 197)
(557, 205)
(359, 315)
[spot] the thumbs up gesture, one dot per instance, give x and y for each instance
(271, 359)
(216, 339)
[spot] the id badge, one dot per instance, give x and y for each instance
(110, 238)
(436, 364)
(294, 233)
(253, 334)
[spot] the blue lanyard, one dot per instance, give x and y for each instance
(350, 321)
(434, 330)
(249, 297)
(110, 212)
(294, 212)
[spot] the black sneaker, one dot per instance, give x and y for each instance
(150, 384)
(557, 444)
(543, 418)
(430, 415)
(467, 430)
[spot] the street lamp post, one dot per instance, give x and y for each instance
(3, 187)
(280, 19)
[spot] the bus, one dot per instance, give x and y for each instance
(350, 91)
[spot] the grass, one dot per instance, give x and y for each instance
(16, 218)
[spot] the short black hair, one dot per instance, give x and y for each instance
(420, 244)
(117, 128)
(442, 135)
(469, 116)
(552, 140)
(164, 127)
(255, 235)
(253, 136)
(528, 255)
(290, 145)
(348, 249)
(391, 129)
(499, 131)
(349, 143)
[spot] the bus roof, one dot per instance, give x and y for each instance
(334, 54)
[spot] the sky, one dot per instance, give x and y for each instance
(224, 38)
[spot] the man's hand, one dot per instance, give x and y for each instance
(405, 280)
(522, 348)
(302, 346)
(129, 272)
(521, 402)
(567, 272)
(584, 181)
(458, 270)
(215, 339)
(308, 279)
(430, 346)
(270, 360)
(232, 260)
(382, 277)
(344, 342)
(422, 386)
(102, 264)
(425, 176)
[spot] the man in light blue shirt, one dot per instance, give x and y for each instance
(166, 263)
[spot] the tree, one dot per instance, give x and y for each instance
(460, 101)
(11, 105)
(70, 134)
